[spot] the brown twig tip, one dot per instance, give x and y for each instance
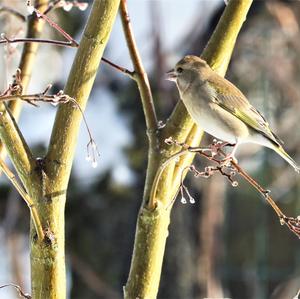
(119, 68)
(18, 289)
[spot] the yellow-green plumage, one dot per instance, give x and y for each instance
(220, 108)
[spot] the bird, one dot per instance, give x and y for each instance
(221, 109)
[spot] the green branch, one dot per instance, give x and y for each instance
(48, 260)
(84, 69)
(152, 224)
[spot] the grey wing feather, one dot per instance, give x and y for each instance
(232, 100)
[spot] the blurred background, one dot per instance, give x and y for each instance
(230, 242)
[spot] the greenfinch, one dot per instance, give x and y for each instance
(221, 109)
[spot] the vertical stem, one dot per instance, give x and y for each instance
(152, 225)
(140, 74)
(48, 258)
(143, 84)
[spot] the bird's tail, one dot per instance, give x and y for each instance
(286, 157)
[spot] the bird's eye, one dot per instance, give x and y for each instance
(179, 70)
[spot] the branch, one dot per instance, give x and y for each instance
(41, 15)
(139, 74)
(154, 218)
(66, 127)
(16, 146)
(33, 211)
(55, 99)
(18, 289)
(34, 29)
(217, 53)
(6, 40)
(225, 168)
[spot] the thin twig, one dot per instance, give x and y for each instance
(119, 68)
(18, 288)
(59, 98)
(140, 74)
(4, 40)
(14, 12)
(27, 40)
(39, 14)
(51, 6)
(27, 199)
(292, 223)
(71, 42)
(38, 97)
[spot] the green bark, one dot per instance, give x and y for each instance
(46, 181)
(152, 223)
(47, 258)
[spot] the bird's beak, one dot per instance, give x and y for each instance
(171, 75)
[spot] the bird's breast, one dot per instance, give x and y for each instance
(213, 119)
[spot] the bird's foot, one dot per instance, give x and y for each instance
(217, 145)
(228, 159)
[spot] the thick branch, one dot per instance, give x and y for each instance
(151, 231)
(48, 262)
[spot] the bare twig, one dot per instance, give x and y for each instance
(27, 199)
(39, 14)
(119, 68)
(71, 42)
(5, 40)
(14, 12)
(140, 74)
(14, 90)
(54, 99)
(19, 290)
(227, 168)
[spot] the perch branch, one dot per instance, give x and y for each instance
(292, 223)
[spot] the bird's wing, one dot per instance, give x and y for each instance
(230, 98)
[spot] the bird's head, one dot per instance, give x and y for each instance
(187, 70)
